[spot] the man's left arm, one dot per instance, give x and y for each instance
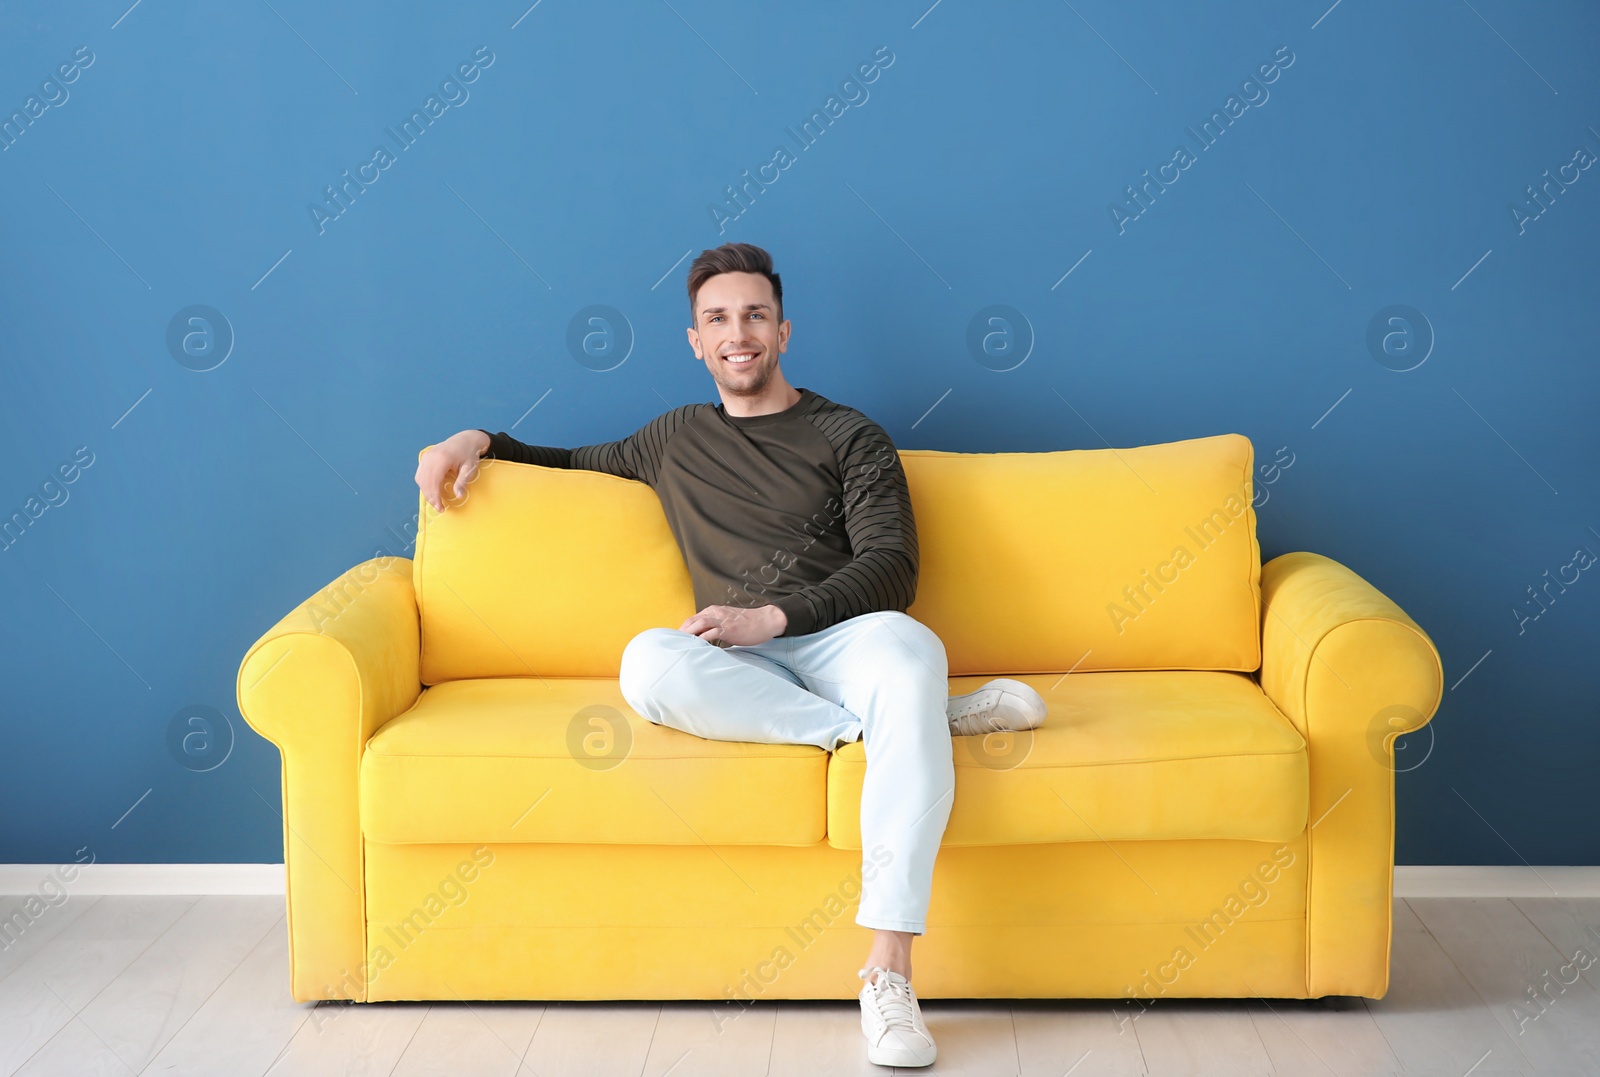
(883, 538)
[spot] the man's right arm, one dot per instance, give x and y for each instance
(637, 456)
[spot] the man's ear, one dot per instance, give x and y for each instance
(694, 341)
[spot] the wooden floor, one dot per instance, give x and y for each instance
(119, 985)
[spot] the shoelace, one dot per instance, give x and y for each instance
(893, 999)
(985, 700)
(981, 716)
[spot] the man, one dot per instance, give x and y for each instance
(795, 522)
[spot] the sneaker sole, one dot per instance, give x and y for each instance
(888, 1056)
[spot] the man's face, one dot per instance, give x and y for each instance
(736, 318)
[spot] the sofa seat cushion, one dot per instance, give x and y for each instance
(565, 759)
(1138, 755)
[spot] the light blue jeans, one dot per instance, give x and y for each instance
(881, 677)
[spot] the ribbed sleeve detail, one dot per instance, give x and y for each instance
(877, 518)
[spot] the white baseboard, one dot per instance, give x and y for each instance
(1495, 880)
(1410, 880)
(112, 879)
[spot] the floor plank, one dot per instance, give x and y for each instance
(710, 1037)
(1331, 1037)
(49, 989)
(247, 1021)
(351, 1039)
(593, 1038)
(1094, 1035)
(973, 1037)
(1571, 925)
(1515, 970)
(75, 1051)
(1201, 1037)
(817, 1037)
(1431, 1017)
(477, 1038)
(35, 933)
(140, 1010)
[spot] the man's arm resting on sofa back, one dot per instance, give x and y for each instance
(637, 456)
(455, 460)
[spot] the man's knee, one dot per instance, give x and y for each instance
(647, 661)
(914, 641)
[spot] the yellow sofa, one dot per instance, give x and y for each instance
(471, 810)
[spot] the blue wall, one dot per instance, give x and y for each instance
(1379, 167)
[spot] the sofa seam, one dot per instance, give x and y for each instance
(380, 753)
(1118, 762)
(764, 927)
(387, 843)
(861, 763)
(390, 844)
(1055, 841)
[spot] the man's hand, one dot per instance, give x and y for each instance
(454, 458)
(735, 625)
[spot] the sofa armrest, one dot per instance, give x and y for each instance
(1352, 671)
(318, 684)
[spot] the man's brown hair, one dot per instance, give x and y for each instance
(732, 258)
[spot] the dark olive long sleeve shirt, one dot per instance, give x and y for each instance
(806, 509)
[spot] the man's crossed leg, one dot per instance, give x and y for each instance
(882, 678)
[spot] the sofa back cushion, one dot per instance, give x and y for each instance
(544, 572)
(1090, 559)
(1086, 559)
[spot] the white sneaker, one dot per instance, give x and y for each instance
(1000, 704)
(892, 1021)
